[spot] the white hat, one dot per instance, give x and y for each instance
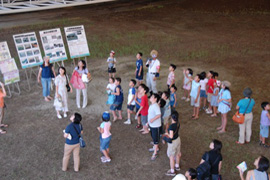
(179, 177)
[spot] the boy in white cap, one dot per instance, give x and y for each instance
(111, 64)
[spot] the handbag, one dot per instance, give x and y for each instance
(67, 85)
(240, 118)
(85, 78)
(166, 137)
(82, 142)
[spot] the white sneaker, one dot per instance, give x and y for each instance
(209, 112)
(183, 98)
(127, 121)
(84, 106)
(65, 115)
(187, 99)
(79, 107)
(136, 117)
(105, 160)
(59, 116)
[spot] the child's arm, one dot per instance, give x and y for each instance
(198, 94)
(268, 115)
(139, 110)
(133, 97)
(175, 100)
(39, 74)
(140, 71)
(4, 90)
(101, 130)
(216, 93)
(171, 134)
(155, 118)
(117, 92)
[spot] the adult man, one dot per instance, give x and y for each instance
(153, 66)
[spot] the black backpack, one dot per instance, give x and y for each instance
(204, 169)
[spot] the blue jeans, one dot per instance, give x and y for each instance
(104, 143)
(46, 85)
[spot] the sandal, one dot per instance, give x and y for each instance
(237, 142)
(3, 125)
(154, 157)
(3, 131)
(138, 126)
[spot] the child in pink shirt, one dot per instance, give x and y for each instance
(171, 78)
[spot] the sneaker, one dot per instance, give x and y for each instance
(183, 98)
(154, 157)
(187, 100)
(136, 117)
(169, 173)
(65, 115)
(127, 121)
(209, 112)
(204, 108)
(84, 107)
(102, 157)
(79, 107)
(105, 160)
(59, 116)
(138, 126)
(152, 149)
(177, 168)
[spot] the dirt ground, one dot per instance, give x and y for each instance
(230, 37)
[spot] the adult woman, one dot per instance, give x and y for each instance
(61, 92)
(81, 69)
(214, 158)
(224, 106)
(260, 173)
(245, 106)
(173, 150)
(72, 144)
(46, 72)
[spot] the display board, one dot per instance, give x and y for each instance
(28, 49)
(4, 51)
(77, 43)
(53, 44)
(8, 65)
(11, 77)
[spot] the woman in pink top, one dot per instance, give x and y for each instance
(105, 136)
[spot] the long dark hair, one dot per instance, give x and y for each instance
(263, 164)
(62, 67)
(217, 145)
(84, 64)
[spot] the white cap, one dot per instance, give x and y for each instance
(179, 177)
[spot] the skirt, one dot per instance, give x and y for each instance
(223, 108)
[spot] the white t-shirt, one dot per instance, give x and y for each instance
(153, 66)
(153, 111)
(111, 87)
(110, 62)
(131, 93)
(203, 84)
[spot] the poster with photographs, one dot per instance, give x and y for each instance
(8, 65)
(53, 44)
(4, 51)
(28, 49)
(77, 43)
(11, 77)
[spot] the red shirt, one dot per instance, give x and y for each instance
(211, 85)
(144, 104)
(1, 99)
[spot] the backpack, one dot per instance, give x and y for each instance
(204, 169)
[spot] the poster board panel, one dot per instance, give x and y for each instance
(11, 77)
(4, 51)
(8, 65)
(53, 44)
(28, 49)
(77, 42)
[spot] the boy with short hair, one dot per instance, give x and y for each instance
(111, 64)
(173, 99)
(154, 122)
(191, 174)
(2, 106)
(167, 110)
(131, 100)
(117, 105)
(171, 78)
(139, 68)
(265, 123)
(143, 90)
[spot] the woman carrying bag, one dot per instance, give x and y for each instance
(245, 106)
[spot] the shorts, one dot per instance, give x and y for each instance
(139, 78)
(131, 107)
(192, 102)
(137, 109)
(144, 120)
(203, 94)
(264, 131)
(116, 106)
(174, 148)
(209, 97)
(111, 70)
(104, 143)
(155, 134)
(167, 120)
(187, 87)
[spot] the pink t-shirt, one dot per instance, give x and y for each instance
(106, 127)
(170, 78)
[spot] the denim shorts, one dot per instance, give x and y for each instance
(116, 106)
(144, 120)
(131, 107)
(155, 134)
(264, 131)
(104, 143)
(203, 94)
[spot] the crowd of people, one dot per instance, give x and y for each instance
(155, 112)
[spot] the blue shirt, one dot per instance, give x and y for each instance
(46, 71)
(243, 103)
(172, 99)
(137, 105)
(139, 64)
(70, 129)
(120, 97)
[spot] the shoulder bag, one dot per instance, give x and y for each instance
(82, 142)
(67, 84)
(240, 118)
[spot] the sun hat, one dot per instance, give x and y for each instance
(106, 115)
(226, 83)
(247, 92)
(179, 177)
(154, 53)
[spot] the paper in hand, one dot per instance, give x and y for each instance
(242, 166)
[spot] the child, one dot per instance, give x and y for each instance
(187, 83)
(162, 104)
(139, 68)
(105, 136)
(143, 90)
(167, 110)
(214, 100)
(265, 123)
(195, 96)
(209, 90)
(131, 100)
(110, 88)
(117, 105)
(138, 97)
(154, 122)
(2, 106)
(171, 79)
(203, 95)
(173, 99)
(111, 64)
(191, 174)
